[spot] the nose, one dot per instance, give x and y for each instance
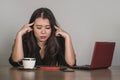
(43, 31)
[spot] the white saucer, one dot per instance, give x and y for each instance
(22, 68)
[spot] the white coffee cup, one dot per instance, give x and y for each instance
(29, 63)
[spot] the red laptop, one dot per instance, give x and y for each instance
(102, 56)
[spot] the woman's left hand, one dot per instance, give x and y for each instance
(60, 32)
(69, 51)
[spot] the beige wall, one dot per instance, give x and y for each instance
(87, 21)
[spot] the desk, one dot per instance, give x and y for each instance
(8, 73)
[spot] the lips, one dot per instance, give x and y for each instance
(42, 37)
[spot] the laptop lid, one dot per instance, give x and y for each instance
(102, 54)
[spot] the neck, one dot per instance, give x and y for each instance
(41, 44)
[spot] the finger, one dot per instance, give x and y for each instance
(58, 34)
(28, 25)
(56, 27)
(29, 30)
(31, 24)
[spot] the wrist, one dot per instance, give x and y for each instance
(19, 34)
(67, 36)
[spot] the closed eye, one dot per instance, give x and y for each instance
(48, 28)
(38, 27)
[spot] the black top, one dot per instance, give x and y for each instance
(60, 56)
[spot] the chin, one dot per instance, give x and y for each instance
(42, 40)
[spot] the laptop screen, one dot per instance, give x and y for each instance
(102, 54)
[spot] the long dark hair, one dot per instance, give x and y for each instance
(52, 46)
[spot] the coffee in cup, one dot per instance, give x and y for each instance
(29, 63)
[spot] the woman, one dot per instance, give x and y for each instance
(44, 40)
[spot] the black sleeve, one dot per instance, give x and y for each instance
(61, 54)
(14, 64)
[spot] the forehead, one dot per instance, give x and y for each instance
(43, 21)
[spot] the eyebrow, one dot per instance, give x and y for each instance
(41, 25)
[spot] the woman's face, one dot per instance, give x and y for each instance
(42, 29)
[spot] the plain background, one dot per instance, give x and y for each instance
(87, 21)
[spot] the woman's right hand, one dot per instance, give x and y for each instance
(18, 53)
(26, 28)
